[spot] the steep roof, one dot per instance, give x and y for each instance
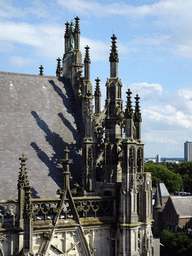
(182, 205)
(163, 190)
(38, 117)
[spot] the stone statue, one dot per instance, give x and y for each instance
(71, 37)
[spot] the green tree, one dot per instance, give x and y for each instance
(159, 173)
(185, 170)
(175, 244)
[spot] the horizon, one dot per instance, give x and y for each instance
(154, 43)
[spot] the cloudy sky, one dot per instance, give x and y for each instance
(154, 40)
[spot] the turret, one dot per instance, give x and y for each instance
(66, 36)
(137, 118)
(129, 116)
(77, 33)
(113, 58)
(97, 97)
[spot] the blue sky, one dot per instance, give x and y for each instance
(154, 41)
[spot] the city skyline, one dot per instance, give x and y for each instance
(154, 45)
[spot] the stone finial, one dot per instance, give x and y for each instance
(77, 29)
(137, 116)
(41, 70)
(23, 179)
(97, 87)
(59, 69)
(67, 30)
(129, 107)
(65, 164)
(87, 57)
(114, 54)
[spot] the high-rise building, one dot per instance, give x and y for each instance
(188, 151)
(158, 159)
(85, 191)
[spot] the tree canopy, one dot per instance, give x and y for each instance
(175, 243)
(172, 180)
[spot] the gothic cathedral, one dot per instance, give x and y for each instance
(108, 209)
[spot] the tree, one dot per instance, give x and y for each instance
(185, 170)
(175, 243)
(160, 173)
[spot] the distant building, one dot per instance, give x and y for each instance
(158, 159)
(188, 151)
(171, 161)
(177, 214)
(160, 200)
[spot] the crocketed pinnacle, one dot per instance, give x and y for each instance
(129, 107)
(77, 29)
(58, 70)
(23, 179)
(114, 54)
(97, 87)
(137, 116)
(157, 204)
(67, 30)
(87, 58)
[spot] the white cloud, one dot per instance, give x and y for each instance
(173, 8)
(145, 90)
(173, 19)
(167, 115)
(158, 137)
(8, 11)
(17, 62)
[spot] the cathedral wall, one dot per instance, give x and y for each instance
(70, 242)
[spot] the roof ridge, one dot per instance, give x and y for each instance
(22, 74)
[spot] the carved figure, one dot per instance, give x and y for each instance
(71, 37)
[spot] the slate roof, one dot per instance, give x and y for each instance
(182, 205)
(38, 117)
(163, 190)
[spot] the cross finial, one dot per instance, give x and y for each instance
(41, 70)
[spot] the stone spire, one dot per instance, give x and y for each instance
(129, 107)
(77, 29)
(137, 118)
(157, 204)
(66, 36)
(41, 70)
(129, 116)
(65, 163)
(97, 97)
(23, 179)
(113, 58)
(87, 62)
(77, 33)
(59, 69)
